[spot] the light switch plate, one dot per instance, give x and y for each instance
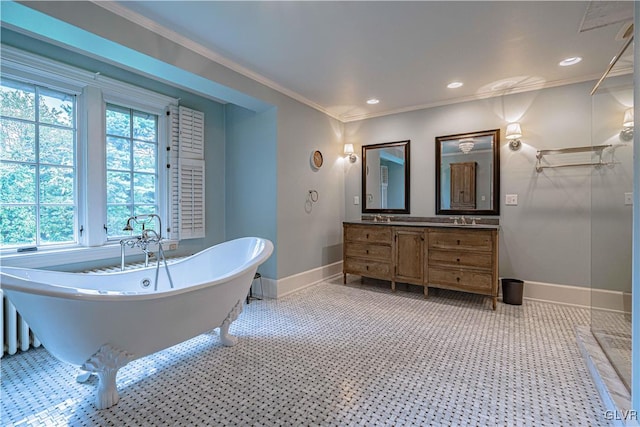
(356, 200)
(628, 199)
(511, 199)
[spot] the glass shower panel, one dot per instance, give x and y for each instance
(611, 221)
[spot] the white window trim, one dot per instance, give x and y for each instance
(24, 66)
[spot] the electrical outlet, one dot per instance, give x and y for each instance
(628, 199)
(356, 200)
(511, 199)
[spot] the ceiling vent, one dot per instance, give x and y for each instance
(602, 13)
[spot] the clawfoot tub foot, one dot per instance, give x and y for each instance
(105, 363)
(225, 337)
(82, 376)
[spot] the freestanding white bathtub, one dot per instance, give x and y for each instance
(100, 322)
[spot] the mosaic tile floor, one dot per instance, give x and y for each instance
(338, 355)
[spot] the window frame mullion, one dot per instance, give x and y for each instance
(37, 161)
(93, 169)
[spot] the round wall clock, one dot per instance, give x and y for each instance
(316, 159)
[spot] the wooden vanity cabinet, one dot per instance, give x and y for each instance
(463, 260)
(367, 251)
(456, 258)
(408, 255)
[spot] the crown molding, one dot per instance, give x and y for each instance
(185, 42)
(480, 96)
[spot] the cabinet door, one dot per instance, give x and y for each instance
(409, 254)
(463, 185)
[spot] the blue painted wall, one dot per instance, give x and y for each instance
(251, 177)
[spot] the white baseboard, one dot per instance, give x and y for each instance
(278, 288)
(578, 296)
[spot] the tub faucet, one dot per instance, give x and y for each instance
(147, 237)
(144, 220)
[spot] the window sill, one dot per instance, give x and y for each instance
(50, 258)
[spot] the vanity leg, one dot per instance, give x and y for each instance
(426, 292)
(344, 278)
(393, 286)
(495, 302)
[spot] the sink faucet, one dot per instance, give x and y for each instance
(463, 220)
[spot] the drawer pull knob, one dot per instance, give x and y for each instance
(458, 259)
(367, 251)
(367, 235)
(458, 241)
(367, 268)
(457, 279)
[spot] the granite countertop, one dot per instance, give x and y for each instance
(400, 223)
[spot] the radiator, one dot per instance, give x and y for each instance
(16, 334)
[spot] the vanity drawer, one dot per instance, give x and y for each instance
(463, 280)
(478, 260)
(361, 267)
(467, 240)
(364, 250)
(373, 234)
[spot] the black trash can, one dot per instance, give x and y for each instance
(512, 290)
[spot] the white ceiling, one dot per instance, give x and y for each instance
(335, 55)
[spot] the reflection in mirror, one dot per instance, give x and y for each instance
(468, 173)
(385, 178)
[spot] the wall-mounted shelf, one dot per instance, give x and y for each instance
(595, 149)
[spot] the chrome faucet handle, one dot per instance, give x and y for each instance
(463, 220)
(455, 219)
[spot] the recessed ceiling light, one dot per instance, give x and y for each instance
(570, 61)
(373, 101)
(454, 85)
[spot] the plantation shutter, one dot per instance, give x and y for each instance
(191, 198)
(187, 173)
(191, 124)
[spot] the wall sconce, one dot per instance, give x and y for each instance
(626, 134)
(348, 151)
(514, 133)
(465, 145)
